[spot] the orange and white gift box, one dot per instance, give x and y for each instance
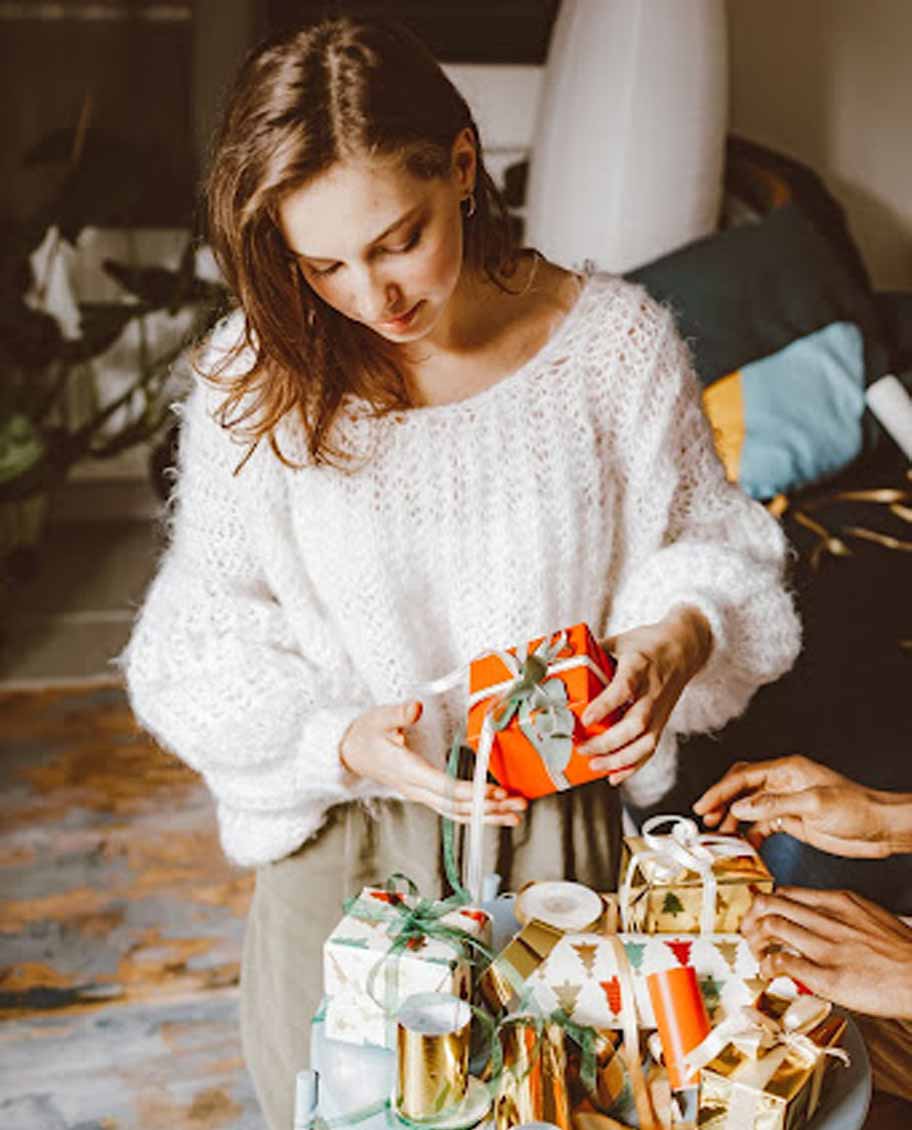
(542, 689)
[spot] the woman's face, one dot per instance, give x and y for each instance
(380, 245)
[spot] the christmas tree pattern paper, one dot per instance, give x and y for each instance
(580, 976)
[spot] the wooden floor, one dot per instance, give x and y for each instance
(120, 929)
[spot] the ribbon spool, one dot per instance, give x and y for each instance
(569, 907)
(433, 1086)
(680, 1018)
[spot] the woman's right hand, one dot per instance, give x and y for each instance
(810, 802)
(375, 746)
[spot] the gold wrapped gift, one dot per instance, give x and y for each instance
(686, 882)
(775, 1082)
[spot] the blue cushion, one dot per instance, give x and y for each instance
(803, 409)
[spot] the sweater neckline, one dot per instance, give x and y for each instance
(505, 383)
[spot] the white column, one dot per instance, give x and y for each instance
(628, 152)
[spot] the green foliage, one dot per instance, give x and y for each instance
(21, 447)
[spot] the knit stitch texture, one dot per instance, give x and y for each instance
(583, 486)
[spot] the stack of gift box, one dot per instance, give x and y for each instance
(642, 1006)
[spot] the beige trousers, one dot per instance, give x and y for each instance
(297, 902)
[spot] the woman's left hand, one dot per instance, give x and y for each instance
(654, 665)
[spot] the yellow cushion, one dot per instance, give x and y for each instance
(723, 404)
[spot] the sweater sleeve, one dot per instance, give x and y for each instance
(213, 668)
(720, 551)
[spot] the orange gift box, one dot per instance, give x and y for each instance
(522, 760)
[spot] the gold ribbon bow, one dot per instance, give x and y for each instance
(897, 500)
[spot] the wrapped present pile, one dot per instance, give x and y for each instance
(641, 1007)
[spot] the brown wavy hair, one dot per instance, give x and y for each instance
(342, 88)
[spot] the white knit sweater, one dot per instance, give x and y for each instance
(583, 486)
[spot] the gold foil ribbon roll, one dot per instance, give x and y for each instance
(500, 983)
(533, 1084)
(432, 1039)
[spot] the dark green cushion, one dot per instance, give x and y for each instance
(749, 291)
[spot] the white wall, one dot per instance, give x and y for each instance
(829, 82)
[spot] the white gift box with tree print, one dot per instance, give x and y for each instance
(370, 967)
(580, 976)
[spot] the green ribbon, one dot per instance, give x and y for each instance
(584, 1037)
(450, 866)
(544, 717)
(407, 922)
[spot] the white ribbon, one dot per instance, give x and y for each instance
(630, 1027)
(752, 1031)
(473, 873)
(684, 848)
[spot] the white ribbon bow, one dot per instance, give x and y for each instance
(684, 847)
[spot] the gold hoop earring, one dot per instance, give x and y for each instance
(470, 210)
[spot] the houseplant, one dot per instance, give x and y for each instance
(52, 412)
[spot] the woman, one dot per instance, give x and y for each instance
(413, 442)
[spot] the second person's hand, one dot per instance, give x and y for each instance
(808, 801)
(839, 945)
(375, 746)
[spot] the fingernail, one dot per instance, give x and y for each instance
(742, 809)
